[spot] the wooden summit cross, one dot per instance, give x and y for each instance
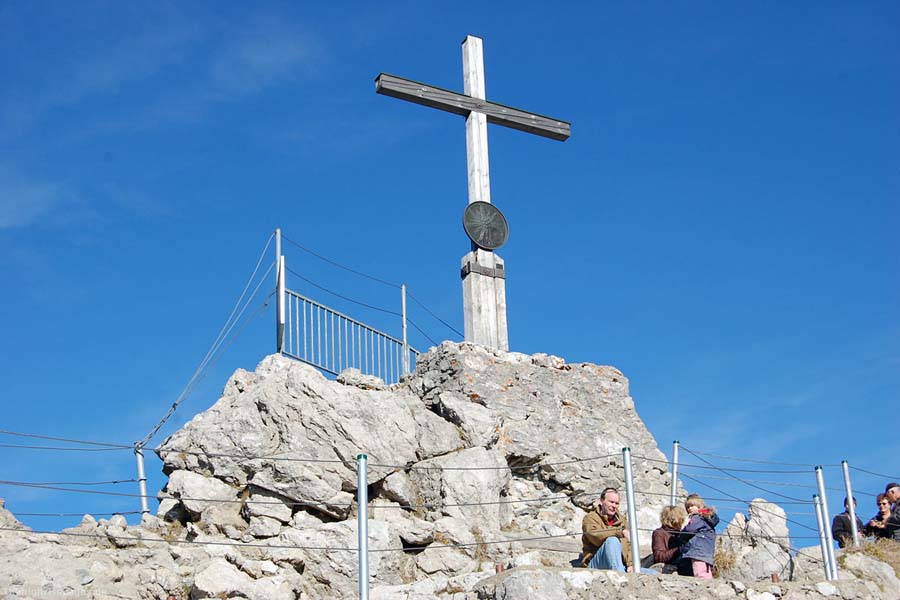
(483, 273)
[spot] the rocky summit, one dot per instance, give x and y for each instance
(481, 465)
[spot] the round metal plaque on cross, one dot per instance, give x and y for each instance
(485, 225)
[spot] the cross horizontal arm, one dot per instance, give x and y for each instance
(460, 104)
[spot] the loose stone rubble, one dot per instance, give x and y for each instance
(470, 458)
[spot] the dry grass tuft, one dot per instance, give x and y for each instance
(723, 560)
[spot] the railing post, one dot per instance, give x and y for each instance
(851, 509)
(829, 546)
(279, 302)
(405, 360)
(362, 519)
(823, 543)
(632, 511)
(142, 477)
(672, 498)
(279, 322)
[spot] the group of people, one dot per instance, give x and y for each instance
(885, 523)
(685, 543)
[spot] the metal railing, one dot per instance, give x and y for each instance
(332, 341)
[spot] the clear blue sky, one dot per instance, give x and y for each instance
(721, 226)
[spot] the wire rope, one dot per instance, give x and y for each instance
(341, 296)
(779, 483)
(888, 477)
(62, 439)
(771, 471)
(113, 482)
(337, 264)
(80, 514)
(426, 309)
(419, 329)
(61, 448)
(761, 509)
(744, 481)
(199, 374)
(758, 461)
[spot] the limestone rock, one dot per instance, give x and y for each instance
(768, 521)
(412, 530)
(444, 561)
(8, 520)
(399, 488)
(866, 567)
(546, 411)
(221, 579)
(463, 484)
(197, 492)
(332, 574)
(355, 378)
(532, 583)
(480, 426)
(808, 566)
(287, 410)
(264, 527)
(261, 503)
(756, 548)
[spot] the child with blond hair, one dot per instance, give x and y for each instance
(667, 540)
(700, 532)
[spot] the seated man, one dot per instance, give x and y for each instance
(604, 539)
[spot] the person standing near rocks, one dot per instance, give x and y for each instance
(604, 539)
(699, 548)
(840, 526)
(892, 523)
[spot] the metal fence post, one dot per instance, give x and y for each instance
(362, 518)
(820, 483)
(632, 512)
(851, 508)
(279, 322)
(142, 477)
(405, 360)
(820, 522)
(675, 445)
(279, 302)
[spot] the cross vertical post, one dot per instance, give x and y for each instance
(476, 122)
(484, 290)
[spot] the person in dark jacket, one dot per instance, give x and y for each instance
(877, 525)
(700, 534)
(840, 526)
(666, 543)
(892, 523)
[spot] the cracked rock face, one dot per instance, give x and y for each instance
(469, 457)
(539, 409)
